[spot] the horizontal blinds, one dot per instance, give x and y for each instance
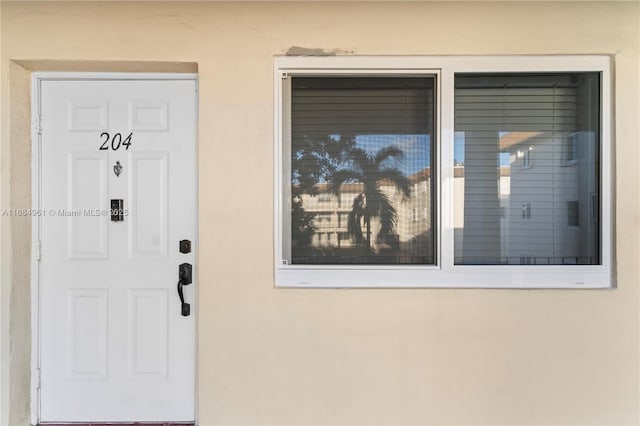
(503, 110)
(361, 106)
(515, 118)
(514, 131)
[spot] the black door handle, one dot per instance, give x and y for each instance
(184, 278)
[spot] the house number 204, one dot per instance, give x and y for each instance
(116, 141)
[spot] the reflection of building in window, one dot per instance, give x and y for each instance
(553, 233)
(413, 232)
(322, 217)
(325, 197)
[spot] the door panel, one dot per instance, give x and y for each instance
(148, 187)
(87, 331)
(87, 190)
(149, 332)
(87, 116)
(149, 116)
(114, 346)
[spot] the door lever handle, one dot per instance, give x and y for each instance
(184, 278)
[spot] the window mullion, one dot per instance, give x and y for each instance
(446, 168)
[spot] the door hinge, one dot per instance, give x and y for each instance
(38, 250)
(37, 124)
(38, 378)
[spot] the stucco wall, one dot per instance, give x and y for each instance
(277, 356)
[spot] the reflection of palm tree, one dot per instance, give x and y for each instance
(356, 216)
(371, 171)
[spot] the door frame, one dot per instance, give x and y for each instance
(36, 205)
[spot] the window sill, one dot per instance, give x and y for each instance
(459, 276)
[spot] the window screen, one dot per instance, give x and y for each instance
(527, 145)
(361, 164)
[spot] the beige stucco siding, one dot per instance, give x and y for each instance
(335, 357)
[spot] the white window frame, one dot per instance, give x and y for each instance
(444, 274)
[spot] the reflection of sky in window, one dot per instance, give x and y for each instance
(504, 158)
(416, 148)
(458, 147)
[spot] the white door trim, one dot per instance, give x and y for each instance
(36, 196)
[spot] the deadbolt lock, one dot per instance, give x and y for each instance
(185, 246)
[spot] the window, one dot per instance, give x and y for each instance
(323, 217)
(423, 167)
(343, 219)
(570, 151)
(366, 139)
(526, 113)
(573, 214)
(325, 198)
(526, 158)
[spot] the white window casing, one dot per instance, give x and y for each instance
(444, 273)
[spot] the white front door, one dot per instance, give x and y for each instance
(114, 343)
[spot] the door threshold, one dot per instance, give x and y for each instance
(118, 424)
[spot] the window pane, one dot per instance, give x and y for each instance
(361, 176)
(526, 169)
